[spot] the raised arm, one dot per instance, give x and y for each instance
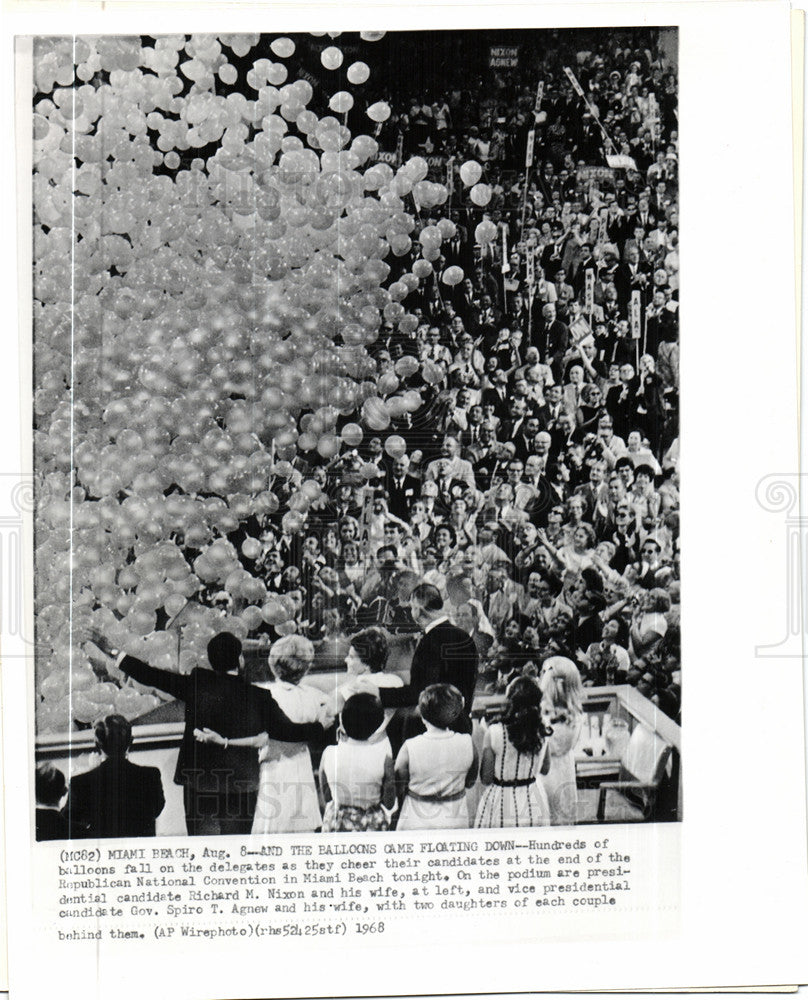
(164, 680)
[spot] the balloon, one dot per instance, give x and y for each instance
(375, 414)
(379, 112)
(252, 618)
(406, 366)
(395, 446)
(358, 72)
(282, 47)
(432, 372)
(470, 172)
(452, 275)
(273, 612)
(251, 548)
(341, 102)
(481, 194)
(486, 232)
(329, 445)
(352, 435)
(387, 383)
(331, 57)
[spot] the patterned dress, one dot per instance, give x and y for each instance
(354, 770)
(516, 797)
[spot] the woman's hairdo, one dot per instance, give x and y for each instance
(361, 715)
(113, 735)
(371, 647)
(661, 600)
(290, 658)
(440, 704)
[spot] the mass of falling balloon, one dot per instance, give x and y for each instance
(199, 331)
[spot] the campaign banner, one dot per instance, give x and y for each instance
(589, 290)
(531, 140)
(395, 160)
(573, 79)
(603, 175)
(621, 161)
(636, 314)
(503, 56)
(539, 96)
(580, 329)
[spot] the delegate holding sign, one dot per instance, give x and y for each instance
(503, 55)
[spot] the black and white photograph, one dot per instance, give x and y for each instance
(361, 501)
(356, 431)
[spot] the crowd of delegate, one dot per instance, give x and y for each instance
(539, 488)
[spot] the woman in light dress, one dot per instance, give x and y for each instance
(562, 706)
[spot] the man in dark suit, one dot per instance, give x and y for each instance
(631, 275)
(621, 401)
(402, 489)
(117, 798)
(444, 655)
(220, 784)
(497, 394)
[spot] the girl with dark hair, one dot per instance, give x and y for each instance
(514, 754)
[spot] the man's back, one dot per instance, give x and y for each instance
(230, 707)
(446, 655)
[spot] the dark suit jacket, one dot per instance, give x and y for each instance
(625, 283)
(115, 799)
(51, 825)
(399, 501)
(623, 410)
(445, 655)
(501, 403)
(233, 709)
